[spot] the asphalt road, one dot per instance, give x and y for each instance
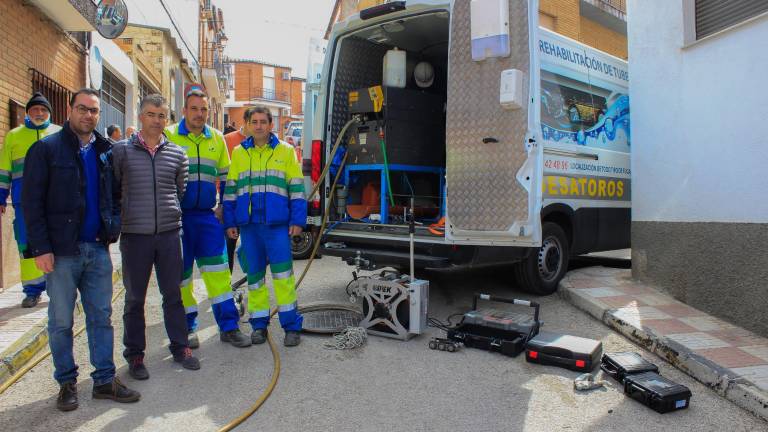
(385, 385)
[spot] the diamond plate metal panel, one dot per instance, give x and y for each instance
(360, 65)
(483, 193)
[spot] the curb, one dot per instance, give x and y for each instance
(735, 389)
(30, 344)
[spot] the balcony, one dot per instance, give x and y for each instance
(257, 94)
(70, 15)
(215, 73)
(609, 13)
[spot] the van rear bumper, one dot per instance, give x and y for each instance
(378, 252)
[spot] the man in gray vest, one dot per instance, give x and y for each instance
(153, 175)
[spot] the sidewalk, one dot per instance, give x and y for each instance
(730, 360)
(23, 332)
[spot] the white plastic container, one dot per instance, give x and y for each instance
(394, 69)
(489, 29)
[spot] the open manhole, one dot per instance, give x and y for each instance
(329, 317)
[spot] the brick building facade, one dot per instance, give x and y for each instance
(34, 48)
(598, 23)
(266, 84)
(159, 63)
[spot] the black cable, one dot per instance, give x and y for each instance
(162, 3)
(434, 322)
(453, 315)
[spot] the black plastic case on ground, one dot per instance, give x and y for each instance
(620, 364)
(494, 330)
(657, 392)
(566, 351)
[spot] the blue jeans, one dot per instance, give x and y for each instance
(91, 273)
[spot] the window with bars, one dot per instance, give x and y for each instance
(113, 91)
(713, 16)
(144, 89)
(57, 95)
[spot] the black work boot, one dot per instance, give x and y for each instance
(292, 338)
(136, 368)
(187, 360)
(67, 400)
(236, 338)
(30, 301)
(259, 336)
(193, 340)
(116, 391)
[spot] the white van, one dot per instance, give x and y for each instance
(515, 151)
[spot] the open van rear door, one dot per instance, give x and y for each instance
(494, 156)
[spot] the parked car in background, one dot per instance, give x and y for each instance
(293, 136)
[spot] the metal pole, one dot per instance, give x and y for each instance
(411, 230)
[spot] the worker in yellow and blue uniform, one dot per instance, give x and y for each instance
(37, 124)
(264, 197)
(202, 232)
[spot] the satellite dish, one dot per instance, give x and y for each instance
(95, 67)
(111, 18)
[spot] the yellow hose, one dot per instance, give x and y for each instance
(27, 367)
(275, 355)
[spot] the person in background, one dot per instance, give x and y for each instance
(130, 130)
(233, 140)
(37, 125)
(113, 133)
(72, 208)
(152, 173)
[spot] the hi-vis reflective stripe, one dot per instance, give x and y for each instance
(222, 298)
(211, 268)
(213, 264)
(17, 168)
(35, 281)
(282, 275)
(288, 307)
(5, 179)
(260, 314)
(190, 309)
(258, 285)
(203, 178)
(282, 270)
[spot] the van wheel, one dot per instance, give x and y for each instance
(302, 245)
(542, 271)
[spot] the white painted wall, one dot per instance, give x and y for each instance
(120, 64)
(699, 116)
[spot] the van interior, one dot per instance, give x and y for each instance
(392, 76)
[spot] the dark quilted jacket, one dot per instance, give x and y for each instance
(152, 187)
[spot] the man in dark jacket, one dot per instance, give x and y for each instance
(153, 176)
(72, 213)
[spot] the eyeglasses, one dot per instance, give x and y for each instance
(82, 110)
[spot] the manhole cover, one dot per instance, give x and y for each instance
(329, 318)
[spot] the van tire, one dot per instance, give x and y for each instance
(302, 245)
(540, 273)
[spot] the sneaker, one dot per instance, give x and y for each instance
(194, 342)
(67, 400)
(136, 368)
(236, 338)
(116, 391)
(30, 302)
(292, 338)
(259, 336)
(187, 360)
